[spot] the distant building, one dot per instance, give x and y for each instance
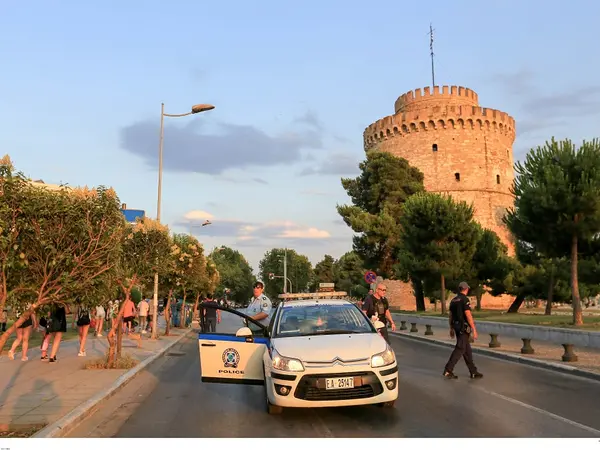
(51, 187)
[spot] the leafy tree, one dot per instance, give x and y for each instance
(235, 274)
(349, 275)
(378, 195)
(557, 203)
(323, 272)
(72, 237)
(438, 237)
(13, 221)
(299, 271)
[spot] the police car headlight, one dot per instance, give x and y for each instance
(286, 364)
(384, 358)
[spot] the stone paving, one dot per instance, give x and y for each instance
(588, 358)
(37, 392)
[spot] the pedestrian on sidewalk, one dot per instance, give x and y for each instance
(212, 316)
(129, 313)
(462, 326)
(3, 320)
(57, 325)
(23, 333)
(143, 309)
(44, 322)
(82, 313)
(100, 316)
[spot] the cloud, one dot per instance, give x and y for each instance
(191, 148)
(336, 164)
(537, 110)
(310, 118)
(242, 180)
(251, 232)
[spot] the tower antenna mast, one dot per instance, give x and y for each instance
(432, 54)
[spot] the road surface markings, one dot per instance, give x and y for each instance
(541, 411)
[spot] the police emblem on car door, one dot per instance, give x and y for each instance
(231, 346)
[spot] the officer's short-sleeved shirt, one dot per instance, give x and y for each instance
(458, 306)
(373, 305)
(260, 304)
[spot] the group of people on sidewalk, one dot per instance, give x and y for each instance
(52, 321)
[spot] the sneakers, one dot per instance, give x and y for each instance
(81, 354)
(450, 375)
(476, 375)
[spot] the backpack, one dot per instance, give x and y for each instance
(84, 317)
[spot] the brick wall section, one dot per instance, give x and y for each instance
(462, 149)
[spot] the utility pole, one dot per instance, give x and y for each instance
(285, 271)
(431, 50)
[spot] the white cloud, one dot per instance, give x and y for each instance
(198, 215)
(304, 233)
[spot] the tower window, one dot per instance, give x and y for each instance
(457, 176)
(434, 147)
(497, 179)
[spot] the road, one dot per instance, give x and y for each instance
(512, 400)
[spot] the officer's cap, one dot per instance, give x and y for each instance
(259, 284)
(463, 285)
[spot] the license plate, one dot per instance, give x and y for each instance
(339, 383)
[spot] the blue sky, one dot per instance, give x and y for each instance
(294, 84)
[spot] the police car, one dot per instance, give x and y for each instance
(317, 352)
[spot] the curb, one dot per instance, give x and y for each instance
(509, 357)
(70, 420)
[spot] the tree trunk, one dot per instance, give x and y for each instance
(443, 296)
(168, 313)
(548, 311)
(183, 319)
(112, 342)
(120, 338)
(195, 313)
(478, 297)
(419, 293)
(577, 312)
(516, 304)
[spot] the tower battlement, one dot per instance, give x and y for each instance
(426, 97)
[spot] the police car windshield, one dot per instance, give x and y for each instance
(321, 319)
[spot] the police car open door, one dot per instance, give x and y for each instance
(231, 345)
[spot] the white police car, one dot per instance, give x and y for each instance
(314, 353)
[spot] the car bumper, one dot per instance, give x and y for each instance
(307, 389)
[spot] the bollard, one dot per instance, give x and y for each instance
(403, 325)
(527, 348)
(428, 331)
(413, 328)
(494, 343)
(569, 355)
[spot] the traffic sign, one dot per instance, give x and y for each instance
(370, 277)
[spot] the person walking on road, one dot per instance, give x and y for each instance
(462, 326)
(377, 307)
(260, 306)
(212, 316)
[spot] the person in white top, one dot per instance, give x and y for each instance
(143, 309)
(100, 316)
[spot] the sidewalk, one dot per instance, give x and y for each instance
(36, 393)
(589, 358)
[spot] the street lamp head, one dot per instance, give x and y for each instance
(208, 222)
(201, 108)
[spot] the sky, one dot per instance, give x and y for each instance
(294, 86)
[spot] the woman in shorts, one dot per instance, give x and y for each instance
(100, 316)
(23, 333)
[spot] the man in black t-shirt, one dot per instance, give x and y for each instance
(377, 307)
(212, 316)
(462, 325)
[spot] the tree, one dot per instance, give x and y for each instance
(378, 195)
(323, 272)
(235, 274)
(557, 203)
(299, 271)
(13, 194)
(439, 237)
(349, 275)
(72, 238)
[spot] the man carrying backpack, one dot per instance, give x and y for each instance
(462, 325)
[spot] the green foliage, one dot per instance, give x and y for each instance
(323, 272)
(349, 275)
(189, 264)
(299, 271)
(235, 273)
(378, 195)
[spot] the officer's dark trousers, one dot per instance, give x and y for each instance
(462, 348)
(211, 325)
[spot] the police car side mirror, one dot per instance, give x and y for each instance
(379, 325)
(244, 332)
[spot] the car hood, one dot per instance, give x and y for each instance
(345, 347)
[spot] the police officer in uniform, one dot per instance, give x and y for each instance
(376, 306)
(462, 325)
(260, 306)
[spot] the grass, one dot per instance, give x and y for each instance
(125, 362)
(535, 318)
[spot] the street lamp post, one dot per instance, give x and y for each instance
(195, 110)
